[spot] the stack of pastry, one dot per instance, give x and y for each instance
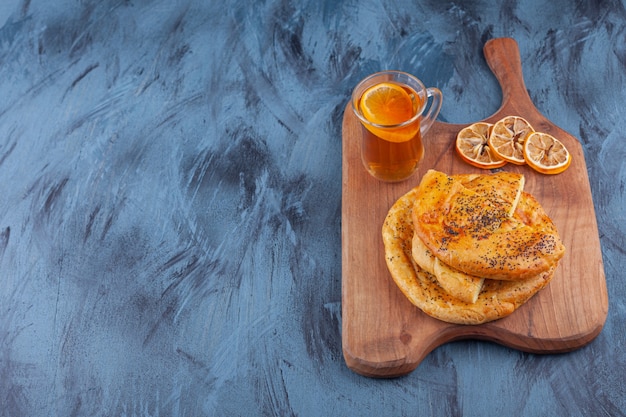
(472, 248)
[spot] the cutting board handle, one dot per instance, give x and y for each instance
(503, 57)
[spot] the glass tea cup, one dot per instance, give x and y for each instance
(391, 147)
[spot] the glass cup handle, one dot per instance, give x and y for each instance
(431, 114)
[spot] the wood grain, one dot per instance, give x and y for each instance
(383, 334)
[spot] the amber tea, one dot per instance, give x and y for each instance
(391, 106)
(391, 161)
(392, 153)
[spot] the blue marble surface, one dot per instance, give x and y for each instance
(170, 182)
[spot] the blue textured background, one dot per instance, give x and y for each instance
(170, 199)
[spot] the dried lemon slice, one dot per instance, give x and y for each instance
(546, 154)
(507, 138)
(473, 147)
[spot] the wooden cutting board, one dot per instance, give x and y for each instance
(383, 334)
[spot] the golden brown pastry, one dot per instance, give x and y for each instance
(473, 231)
(456, 283)
(497, 298)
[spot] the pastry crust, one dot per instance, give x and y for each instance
(473, 231)
(496, 299)
(456, 283)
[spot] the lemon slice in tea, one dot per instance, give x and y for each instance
(387, 104)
